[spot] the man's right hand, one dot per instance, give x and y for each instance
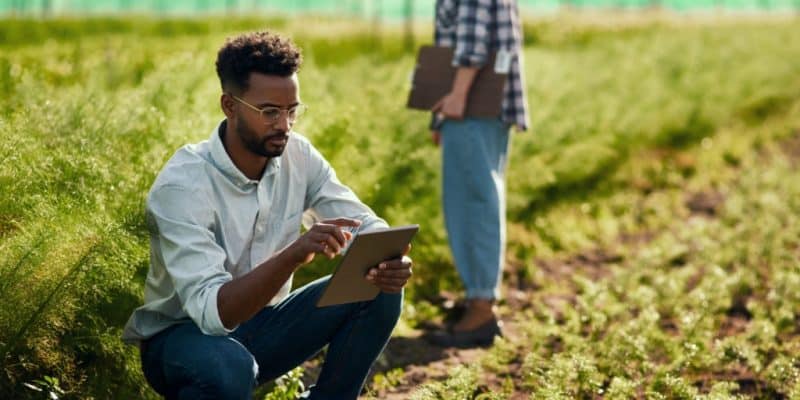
(241, 298)
(324, 237)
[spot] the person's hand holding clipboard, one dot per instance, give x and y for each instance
(453, 104)
(453, 93)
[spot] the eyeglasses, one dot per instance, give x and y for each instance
(271, 114)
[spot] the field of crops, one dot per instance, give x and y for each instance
(654, 208)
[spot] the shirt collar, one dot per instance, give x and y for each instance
(223, 161)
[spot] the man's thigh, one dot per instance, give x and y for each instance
(282, 336)
(183, 358)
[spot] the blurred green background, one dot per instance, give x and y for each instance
(389, 9)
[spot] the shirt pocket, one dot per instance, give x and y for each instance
(289, 228)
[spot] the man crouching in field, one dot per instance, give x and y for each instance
(224, 216)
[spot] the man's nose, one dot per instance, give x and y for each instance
(282, 123)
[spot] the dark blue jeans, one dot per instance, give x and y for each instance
(183, 363)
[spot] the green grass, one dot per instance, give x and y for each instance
(622, 123)
(693, 305)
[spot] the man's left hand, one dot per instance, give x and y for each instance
(391, 275)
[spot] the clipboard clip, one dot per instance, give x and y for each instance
(437, 119)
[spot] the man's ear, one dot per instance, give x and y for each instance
(227, 103)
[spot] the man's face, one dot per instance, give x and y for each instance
(258, 135)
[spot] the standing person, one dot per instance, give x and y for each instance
(474, 156)
(224, 217)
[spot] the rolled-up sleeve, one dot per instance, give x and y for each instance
(473, 23)
(327, 197)
(185, 247)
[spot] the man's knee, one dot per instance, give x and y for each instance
(225, 370)
(230, 376)
(390, 305)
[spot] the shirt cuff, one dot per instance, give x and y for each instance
(470, 60)
(212, 323)
(373, 224)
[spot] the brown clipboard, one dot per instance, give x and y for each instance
(368, 249)
(433, 79)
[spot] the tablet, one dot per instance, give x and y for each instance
(368, 249)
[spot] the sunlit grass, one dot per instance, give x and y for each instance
(700, 306)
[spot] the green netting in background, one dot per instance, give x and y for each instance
(390, 9)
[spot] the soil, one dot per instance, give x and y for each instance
(791, 146)
(410, 361)
(421, 362)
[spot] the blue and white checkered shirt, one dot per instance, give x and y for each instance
(475, 29)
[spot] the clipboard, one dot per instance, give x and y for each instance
(433, 79)
(368, 249)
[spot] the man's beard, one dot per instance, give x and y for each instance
(253, 144)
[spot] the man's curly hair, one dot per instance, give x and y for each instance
(262, 52)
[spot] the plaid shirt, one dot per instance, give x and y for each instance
(475, 28)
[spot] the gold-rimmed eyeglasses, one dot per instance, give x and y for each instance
(271, 113)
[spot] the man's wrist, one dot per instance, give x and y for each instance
(459, 91)
(288, 257)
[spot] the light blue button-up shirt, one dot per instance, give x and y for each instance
(209, 224)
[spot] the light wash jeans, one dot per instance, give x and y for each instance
(183, 363)
(474, 158)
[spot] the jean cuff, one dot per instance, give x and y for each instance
(486, 294)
